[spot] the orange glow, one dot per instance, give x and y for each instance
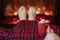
(9, 14)
(46, 13)
(37, 12)
(38, 9)
(51, 13)
(44, 8)
(15, 14)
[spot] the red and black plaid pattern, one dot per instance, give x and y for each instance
(43, 27)
(5, 34)
(25, 30)
(2, 33)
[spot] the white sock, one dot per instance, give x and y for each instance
(22, 13)
(31, 13)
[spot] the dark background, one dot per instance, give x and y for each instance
(1, 9)
(57, 17)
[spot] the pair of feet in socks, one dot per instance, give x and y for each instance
(31, 13)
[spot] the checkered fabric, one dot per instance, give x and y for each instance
(25, 30)
(5, 34)
(43, 27)
(2, 33)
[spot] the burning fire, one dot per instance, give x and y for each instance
(37, 12)
(15, 14)
(47, 13)
(51, 13)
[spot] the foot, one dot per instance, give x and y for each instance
(22, 13)
(31, 13)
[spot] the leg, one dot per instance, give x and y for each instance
(17, 32)
(32, 14)
(31, 32)
(22, 13)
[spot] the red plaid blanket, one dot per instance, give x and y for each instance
(24, 30)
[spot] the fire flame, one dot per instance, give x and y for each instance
(15, 14)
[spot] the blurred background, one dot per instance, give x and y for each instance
(45, 8)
